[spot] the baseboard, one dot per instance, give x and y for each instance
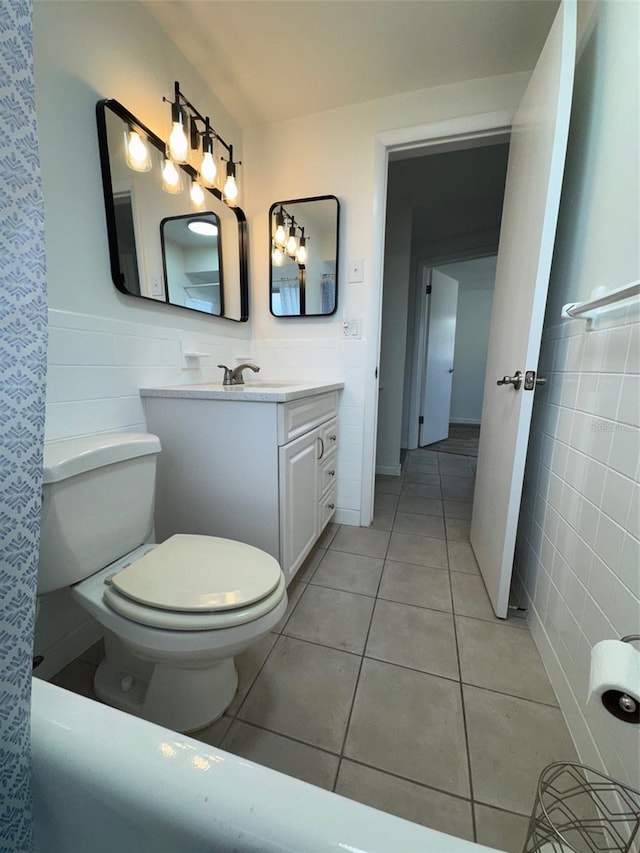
(389, 470)
(67, 649)
(347, 516)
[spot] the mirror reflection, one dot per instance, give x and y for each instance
(142, 240)
(192, 262)
(304, 257)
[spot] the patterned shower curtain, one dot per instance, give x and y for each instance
(23, 347)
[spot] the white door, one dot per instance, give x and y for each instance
(532, 197)
(441, 336)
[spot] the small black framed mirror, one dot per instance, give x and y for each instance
(137, 207)
(192, 261)
(303, 272)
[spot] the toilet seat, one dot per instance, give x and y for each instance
(196, 583)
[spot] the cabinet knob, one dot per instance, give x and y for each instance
(331, 473)
(331, 506)
(333, 437)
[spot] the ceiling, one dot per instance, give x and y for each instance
(272, 60)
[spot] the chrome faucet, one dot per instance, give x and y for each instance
(234, 377)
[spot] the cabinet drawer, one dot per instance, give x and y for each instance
(328, 473)
(329, 437)
(327, 507)
(300, 416)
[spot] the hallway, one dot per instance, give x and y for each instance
(389, 679)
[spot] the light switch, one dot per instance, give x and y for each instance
(355, 270)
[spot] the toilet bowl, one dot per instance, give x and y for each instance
(175, 614)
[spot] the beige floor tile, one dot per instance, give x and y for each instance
(248, 665)
(332, 618)
(422, 550)
(388, 487)
(461, 557)
(425, 478)
(214, 733)
(76, 677)
(382, 518)
(307, 569)
(414, 637)
(421, 506)
(458, 509)
(423, 586)
(499, 657)
(510, 741)
(386, 502)
(282, 754)
(457, 489)
(326, 537)
(502, 830)
(349, 572)
(304, 691)
(457, 530)
(410, 724)
(418, 490)
(361, 540)
(294, 591)
(422, 525)
(405, 799)
(470, 596)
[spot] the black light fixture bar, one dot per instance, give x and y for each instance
(194, 114)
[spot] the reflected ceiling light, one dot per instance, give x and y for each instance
(137, 154)
(203, 227)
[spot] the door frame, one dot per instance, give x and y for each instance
(436, 136)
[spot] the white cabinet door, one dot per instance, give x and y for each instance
(298, 500)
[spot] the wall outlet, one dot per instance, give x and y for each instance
(351, 328)
(356, 273)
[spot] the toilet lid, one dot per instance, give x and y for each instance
(199, 574)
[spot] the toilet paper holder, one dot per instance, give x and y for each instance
(621, 705)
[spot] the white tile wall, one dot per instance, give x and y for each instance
(97, 366)
(578, 554)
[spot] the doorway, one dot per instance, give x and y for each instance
(442, 220)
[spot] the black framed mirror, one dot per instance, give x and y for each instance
(192, 262)
(139, 214)
(303, 272)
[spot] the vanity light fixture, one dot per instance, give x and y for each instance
(301, 253)
(137, 154)
(292, 242)
(201, 137)
(280, 235)
(277, 256)
(196, 193)
(171, 177)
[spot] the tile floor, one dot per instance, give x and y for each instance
(389, 680)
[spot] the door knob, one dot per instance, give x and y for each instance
(515, 380)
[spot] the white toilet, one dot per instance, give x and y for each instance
(175, 614)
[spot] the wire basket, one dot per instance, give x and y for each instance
(579, 809)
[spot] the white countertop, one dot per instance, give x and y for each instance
(281, 391)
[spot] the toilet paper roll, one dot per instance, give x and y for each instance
(614, 681)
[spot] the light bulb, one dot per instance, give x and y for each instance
(301, 254)
(292, 243)
(196, 193)
(276, 256)
(230, 190)
(280, 235)
(171, 178)
(137, 152)
(178, 144)
(208, 169)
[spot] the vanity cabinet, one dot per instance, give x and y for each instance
(262, 472)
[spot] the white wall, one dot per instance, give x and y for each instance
(473, 321)
(103, 345)
(578, 547)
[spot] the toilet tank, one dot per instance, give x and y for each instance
(97, 504)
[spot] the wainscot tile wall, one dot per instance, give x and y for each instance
(578, 555)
